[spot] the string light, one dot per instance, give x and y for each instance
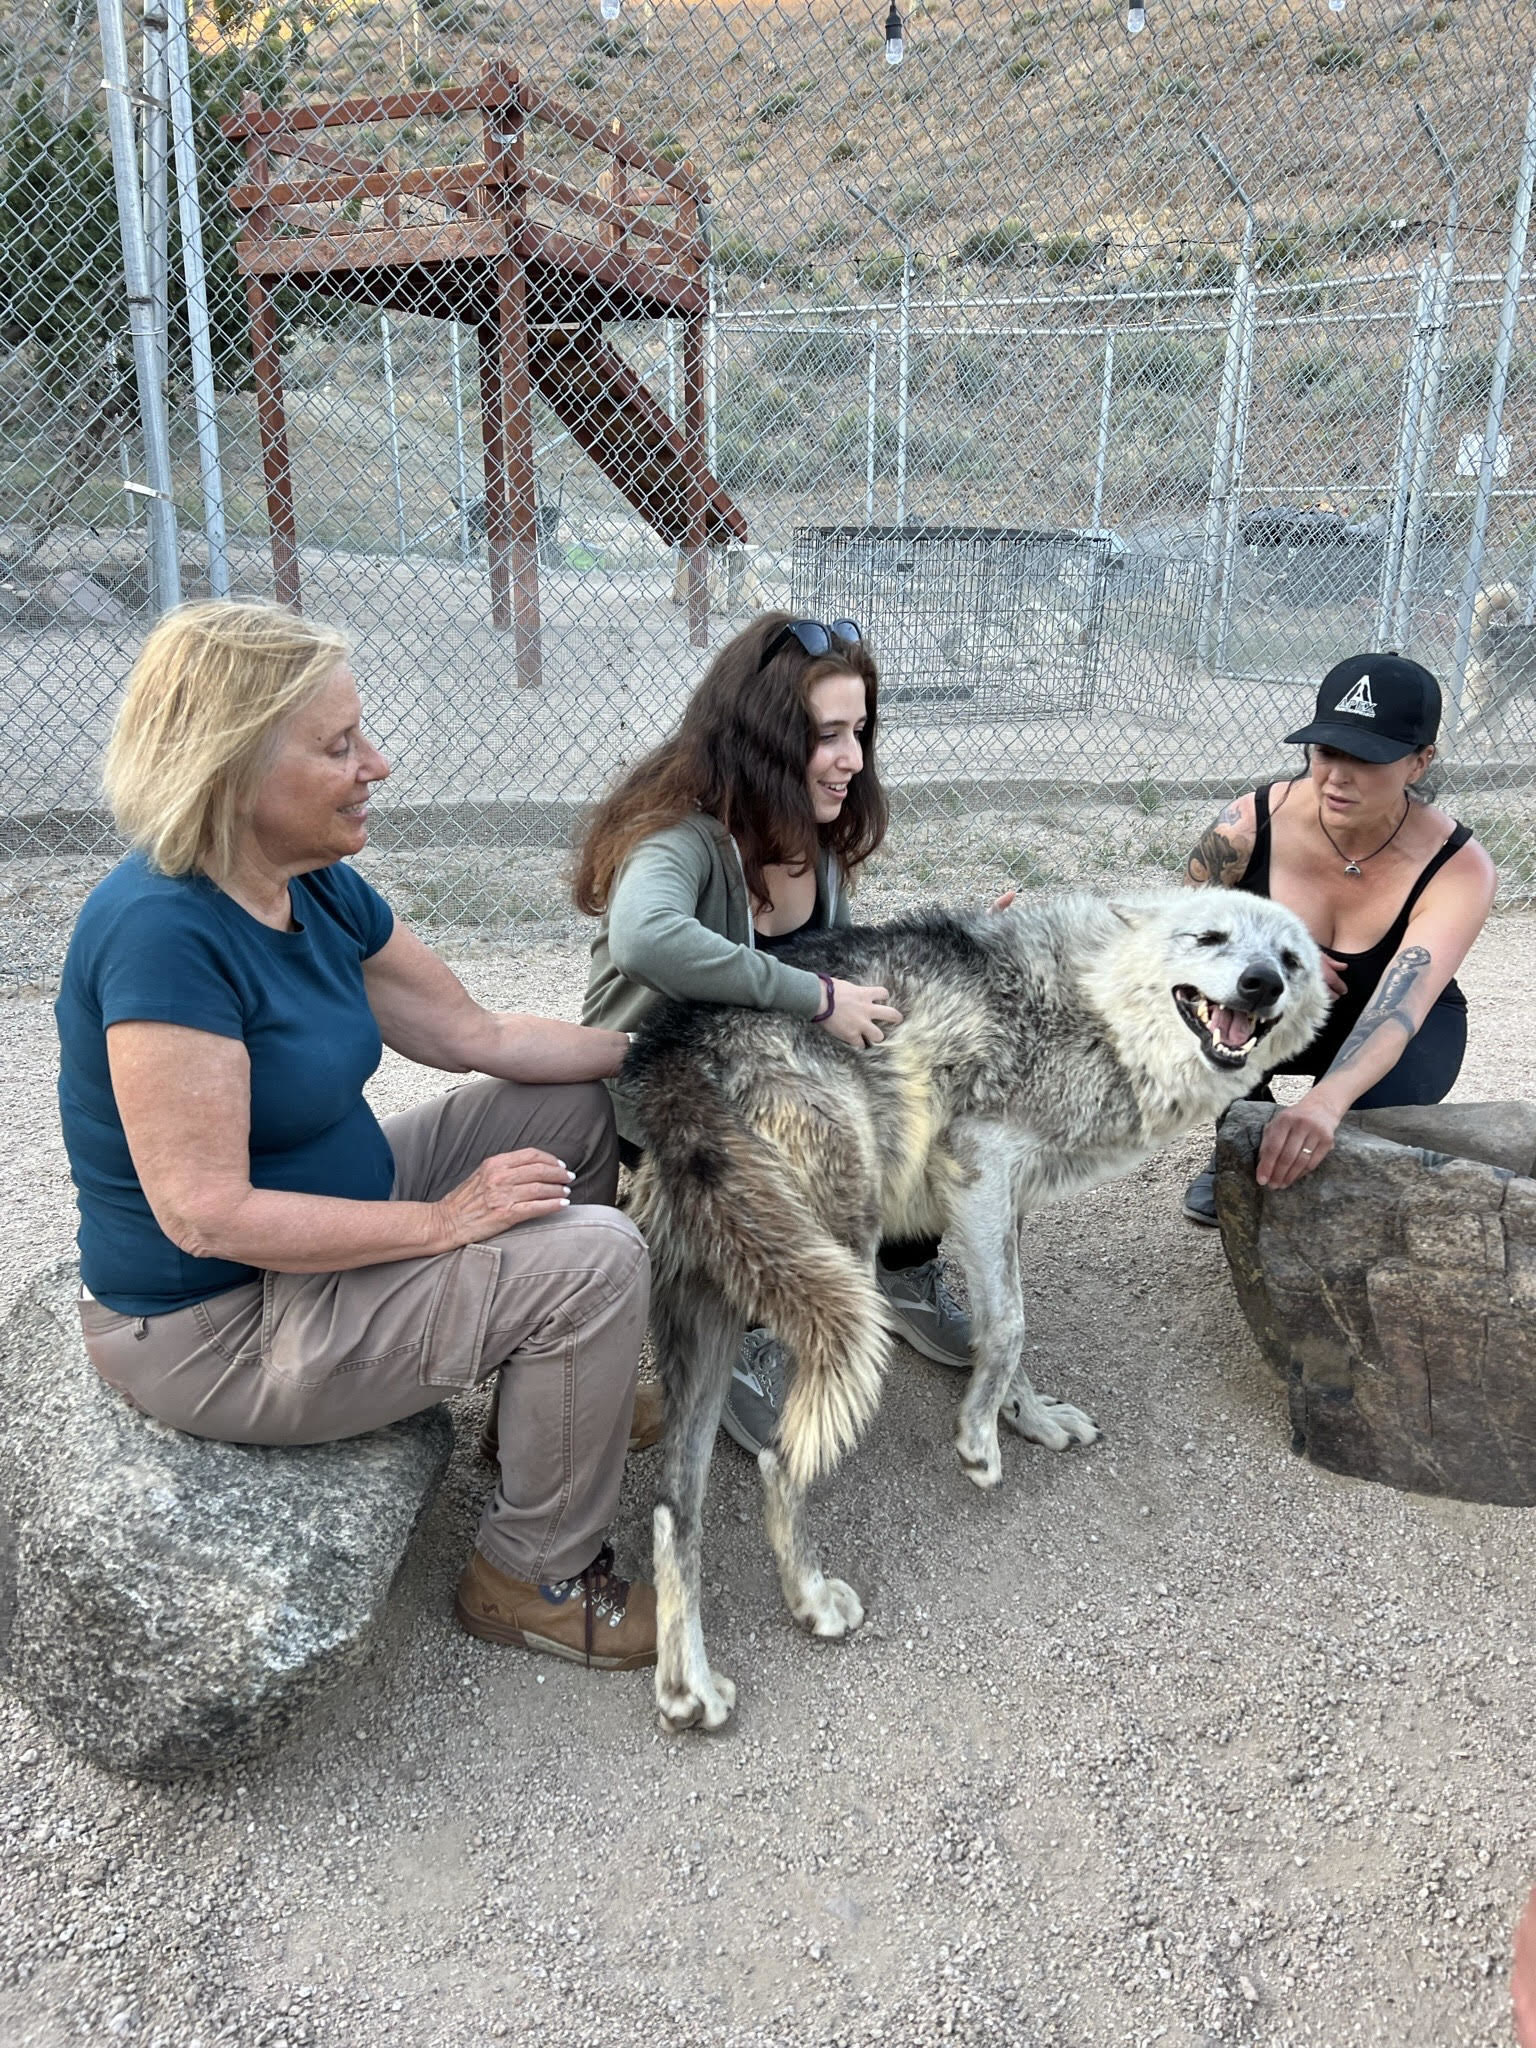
(895, 47)
(610, 9)
(1135, 18)
(1336, 6)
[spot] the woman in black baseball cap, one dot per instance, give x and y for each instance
(1392, 889)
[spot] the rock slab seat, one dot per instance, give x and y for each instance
(1395, 1288)
(172, 1605)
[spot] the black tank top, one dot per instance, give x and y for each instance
(1361, 971)
(775, 942)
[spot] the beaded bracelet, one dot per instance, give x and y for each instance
(830, 1005)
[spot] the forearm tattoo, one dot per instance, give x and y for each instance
(1215, 859)
(1389, 1005)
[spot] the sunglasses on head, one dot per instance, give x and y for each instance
(812, 637)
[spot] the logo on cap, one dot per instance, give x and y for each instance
(1359, 703)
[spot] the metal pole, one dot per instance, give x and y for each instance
(1411, 406)
(1428, 423)
(195, 278)
(671, 335)
(1101, 458)
(903, 363)
(394, 432)
(710, 367)
(154, 138)
(870, 450)
(903, 383)
(1214, 549)
(164, 566)
(466, 549)
(1248, 327)
(1509, 309)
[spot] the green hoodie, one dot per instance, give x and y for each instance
(679, 923)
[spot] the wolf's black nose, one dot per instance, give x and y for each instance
(1257, 987)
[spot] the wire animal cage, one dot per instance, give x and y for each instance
(967, 622)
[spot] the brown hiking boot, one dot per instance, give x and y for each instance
(596, 1618)
(644, 1425)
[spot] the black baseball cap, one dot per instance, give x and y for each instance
(1376, 707)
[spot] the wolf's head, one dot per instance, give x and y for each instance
(1233, 983)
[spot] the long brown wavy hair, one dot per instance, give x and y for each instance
(741, 754)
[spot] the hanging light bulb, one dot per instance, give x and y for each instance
(895, 48)
(1336, 6)
(1135, 18)
(610, 9)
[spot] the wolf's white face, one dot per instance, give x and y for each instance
(1239, 970)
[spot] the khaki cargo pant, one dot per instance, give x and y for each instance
(557, 1307)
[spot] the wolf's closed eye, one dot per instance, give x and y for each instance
(1290, 962)
(1212, 938)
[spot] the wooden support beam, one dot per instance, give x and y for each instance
(697, 543)
(361, 112)
(272, 427)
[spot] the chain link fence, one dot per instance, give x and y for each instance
(1117, 382)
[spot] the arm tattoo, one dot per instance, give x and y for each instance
(1389, 1005)
(1215, 859)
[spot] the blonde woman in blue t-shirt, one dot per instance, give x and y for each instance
(262, 1260)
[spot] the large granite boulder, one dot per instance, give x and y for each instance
(1395, 1288)
(172, 1605)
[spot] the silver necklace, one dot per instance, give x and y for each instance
(1353, 867)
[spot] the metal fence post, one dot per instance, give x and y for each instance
(870, 449)
(903, 346)
(1509, 310)
(195, 279)
(1214, 614)
(1424, 423)
(155, 157)
(1101, 457)
(1410, 412)
(164, 565)
(903, 382)
(1248, 319)
(711, 364)
(466, 545)
(394, 432)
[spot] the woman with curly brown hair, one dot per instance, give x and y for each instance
(743, 829)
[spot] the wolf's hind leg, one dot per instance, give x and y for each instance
(827, 1607)
(697, 1336)
(984, 1234)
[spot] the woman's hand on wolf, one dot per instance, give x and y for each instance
(507, 1189)
(858, 1013)
(1297, 1140)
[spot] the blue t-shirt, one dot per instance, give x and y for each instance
(177, 950)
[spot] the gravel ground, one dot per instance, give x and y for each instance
(1173, 1740)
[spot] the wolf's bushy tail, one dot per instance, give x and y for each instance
(716, 1198)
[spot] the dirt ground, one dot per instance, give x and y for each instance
(1172, 1740)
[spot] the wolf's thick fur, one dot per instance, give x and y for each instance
(1501, 663)
(1043, 1049)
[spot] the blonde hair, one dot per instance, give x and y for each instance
(194, 735)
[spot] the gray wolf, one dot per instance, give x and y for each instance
(1044, 1048)
(1501, 664)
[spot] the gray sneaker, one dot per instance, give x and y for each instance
(751, 1416)
(926, 1314)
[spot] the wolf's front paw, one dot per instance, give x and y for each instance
(977, 1449)
(707, 1704)
(1056, 1424)
(827, 1607)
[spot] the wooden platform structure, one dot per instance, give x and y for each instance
(532, 263)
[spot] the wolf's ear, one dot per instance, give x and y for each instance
(1124, 916)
